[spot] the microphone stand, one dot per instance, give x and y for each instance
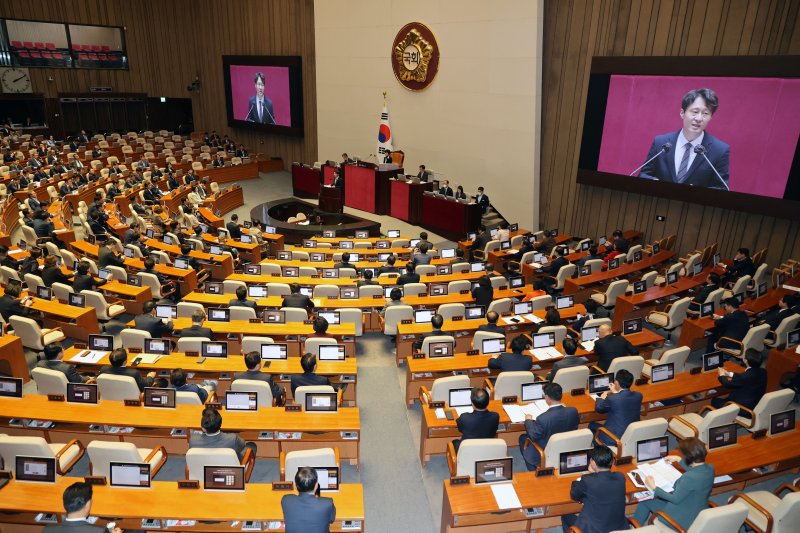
(640, 167)
(703, 153)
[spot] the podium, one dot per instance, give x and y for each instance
(330, 199)
(367, 188)
(305, 181)
(406, 203)
(449, 218)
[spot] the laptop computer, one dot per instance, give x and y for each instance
(490, 346)
(257, 291)
(219, 314)
(423, 316)
(214, 349)
(328, 478)
(322, 402)
(157, 346)
(447, 253)
(440, 349)
(531, 392)
(599, 383)
(223, 478)
(331, 316)
(639, 287)
(82, 393)
(672, 277)
(44, 293)
(793, 337)
(475, 312)
(460, 397)
(437, 289)
(167, 311)
(101, 343)
(10, 387)
(35, 469)
(564, 302)
(241, 401)
(633, 325)
(522, 308)
(712, 361)
(348, 293)
(275, 351)
(213, 287)
(544, 340)
(129, 475)
(706, 309)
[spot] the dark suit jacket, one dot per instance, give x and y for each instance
(84, 282)
(447, 191)
(306, 513)
(78, 526)
(141, 382)
(386, 269)
(66, 369)
(422, 259)
(236, 302)
(623, 408)
(153, 325)
(611, 346)
(173, 183)
(197, 331)
(53, 274)
(702, 294)
(776, 316)
(553, 268)
(733, 325)
(492, 328)
(234, 230)
(745, 267)
(12, 307)
(567, 362)
(300, 301)
(408, 278)
(603, 498)
(107, 257)
(509, 362)
(749, 386)
(307, 378)
(699, 174)
(557, 419)
(267, 114)
(220, 440)
(483, 296)
(483, 201)
(257, 375)
(478, 425)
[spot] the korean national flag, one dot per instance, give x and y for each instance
(384, 135)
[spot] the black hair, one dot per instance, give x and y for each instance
(553, 391)
(241, 292)
(552, 317)
(733, 302)
(118, 357)
(624, 378)
(591, 306)
(308, 362)
(148, 306)
(569, 345)
(76, 496)
(178, 377)
(211, 420)
(753, 357)
(260, 75)
(305, 479)
(396, 294)
(479, 398)
(295, 288)
(83, 268)
(520, 343)
(602, 456)
(437, 321)
(391, 259)
(320, 325)
(708, 95)
(251, 359)
(744, 251)
(492, 317)
(51, 351)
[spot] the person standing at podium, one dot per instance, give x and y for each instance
(423, 174)
(482, 200)
(260, 110)
(338, 180)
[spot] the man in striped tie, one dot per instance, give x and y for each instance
(687, 155)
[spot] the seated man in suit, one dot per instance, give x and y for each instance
(422, 258)
(733, 325)
(77, 500)
(593, 310)
(306, 512)
(233, 227)
(52, 273)
(252, 360)
(491, 323)
(683, 164)
(309, 363)
(212, 437)
(622, 405)
(608, 346)
(85, 281)
(481, 239)
(553, 268)
(509, 362)
(786, 308)
(742, 266)
(172, 182)
(149, 322)
(569, 360)
(446, 189)
(410, 276)
(118, 358)
(593, 254)
(422, 175)
(557, 419)
(713, 282)
(395, 298)
(241, 299)
(106, 256)
(7, 260)
(345, 262)
(53, 353)
(297, 300)
(389, 267)
(602, 493)
(482, 200)
(747, 387)
(480, 423)
(367, 279)
(197, 329)
(459, 258)
(178, 379)
(423, 239)
(437, 321)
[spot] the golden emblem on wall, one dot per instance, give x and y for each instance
(415, 56)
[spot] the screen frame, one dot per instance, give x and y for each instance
(140, 465)
(714, 66)
(295, 65)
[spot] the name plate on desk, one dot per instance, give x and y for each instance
(418, 356)
(424, 294)
(378, 297)
(473, 352)
(132, 403)
(641, 381)
(464, 291)
(55, 397)
(282, 485)
(695, 371)
(760, 434)
(188, 484)
(192, 354)
(308, 322)
(436, 405)
(624, 460)
(406, 321)
(294, 408)
(457, 318)
(95, 480)
(255, 321)
(509, 399)
(459, 480)
(214, 405)
(134, 350)
(543, 472)
(578, 392)
(80, 346)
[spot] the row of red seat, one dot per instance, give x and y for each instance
(28, 45)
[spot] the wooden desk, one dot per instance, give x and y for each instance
(227, 201)
(582, 284)
(359, 251)
(152, 426)
(213, 511)
(305, 181)
(221, 266)
(133, 298)
(406, 203)
(436, 433)
(12, 358)
(75, 322)
(245, 171)
(473, 509)
(780, 362)
(222, 370)
(449, 218)
(174, 198)
(258, 279)
(251, 252)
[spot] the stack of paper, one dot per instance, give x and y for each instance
(517, 412)
(512, 320)
(588, 346)
(543, 354)
(149, 358)
(533, 318)
(505, 496)
(464, 409)
(664, 474)
(88, 356)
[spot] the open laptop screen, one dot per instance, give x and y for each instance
(783, 421)
(321, 402)
(82, 392)
(39, 469)
(157, 397)
(494, 470)
(600, 383)
(223, 478)
(332, 352)
(275, 351)
(532, 391)
(573, 462)
(241, 401)
(712, 361)
(10, 387)
(663, 372)
(720, 436)
(489, 346)
(651, 449)
(460, 397)
(129, 475)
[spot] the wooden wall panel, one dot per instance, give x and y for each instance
(171, 42)
(577, 30)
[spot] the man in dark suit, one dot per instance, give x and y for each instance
(622, 405)
(593, 310)
(785, 309)
(345, 262)
(83, 280)
(480, 423)
(602, 494)
(241, 299)
(252, 361)
(482, 200)
(308, 362)
(389, 267)
(491, 324)
(212, 437)
(172, 182)
(560, 261)
(742, 265)
(459, 258)
(682, 164)
(260, 107)
(747, 387)
(410, 276)
(108, 257)
(515, 360)
(712, 283)
(51, 273)
(306, 512)
(437, 321)
(557, 419)
(609, 346)
(148, 321)
(233, 227)
(78, 505)
(734, 325)
(446, 189)
(422, 258)
(197, 329)
(52, 360)
(118, 358)
(296, 299)
(423, 174)
(338, 180)
(569, 360)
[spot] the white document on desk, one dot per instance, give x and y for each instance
(543, 354)
(88, 356)
(532, 318)
(588, 346)
(149, 358)
(664, 474)
(512, 320)
(461, 410)
(517, 412)
(505, 496)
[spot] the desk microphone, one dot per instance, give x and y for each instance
(666, 147)
(701, 150)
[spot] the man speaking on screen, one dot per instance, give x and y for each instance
(691, 155)
(260, 109)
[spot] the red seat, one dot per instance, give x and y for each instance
(106, 48)
(95, 48)
(24, 54)
(28, 44)
(76, 47)
(16, 44)
(45, 54)
(40, 46)
(35, 54)
(50, 46)
(92, 57)
(86, 47)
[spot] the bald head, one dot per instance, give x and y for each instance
(604, 330)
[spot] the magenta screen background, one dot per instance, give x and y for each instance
(276, 89)
(758, 117)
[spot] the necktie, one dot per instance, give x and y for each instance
(259, 110)
(687, 149)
